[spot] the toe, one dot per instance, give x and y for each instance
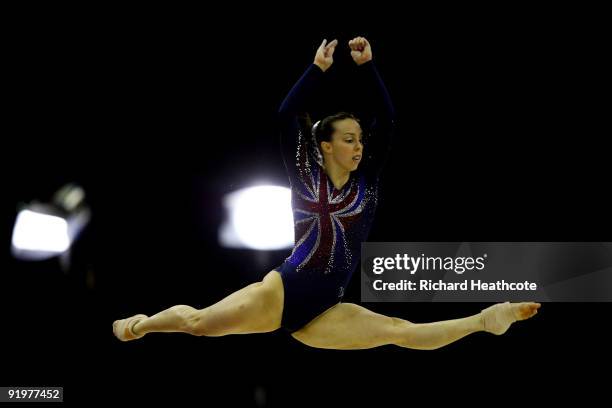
(533, 307)
(528, 310)
(524, 311)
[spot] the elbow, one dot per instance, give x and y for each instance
(386, 113)
(392, 113)
(389, 117)
(285, 107)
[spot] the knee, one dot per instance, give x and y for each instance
(212, 322)
(410, 335)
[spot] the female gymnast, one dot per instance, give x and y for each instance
(334, 191)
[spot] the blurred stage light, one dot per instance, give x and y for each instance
(40, 232)
(43, 230)
(258, 218)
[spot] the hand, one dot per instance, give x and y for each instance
(360, 50)
(324, 57)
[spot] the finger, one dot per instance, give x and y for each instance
(332, 44)
(323, 43)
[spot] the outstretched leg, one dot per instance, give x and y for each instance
(347, 326)
(256, 308)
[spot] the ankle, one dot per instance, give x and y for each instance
(135, 327)
(479, 323)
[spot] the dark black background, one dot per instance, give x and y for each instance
(158, 113)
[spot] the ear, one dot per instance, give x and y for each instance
(326, 147)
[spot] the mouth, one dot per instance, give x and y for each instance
(357, 158)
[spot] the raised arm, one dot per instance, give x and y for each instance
(297, 98)
(379, 127)
(294, 119)
(377, 94)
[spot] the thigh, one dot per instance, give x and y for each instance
(349, 326)
(255, 308)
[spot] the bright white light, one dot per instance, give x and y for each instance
(40, 232)
(259, 218)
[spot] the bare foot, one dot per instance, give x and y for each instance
(498, 318)
(123, 329)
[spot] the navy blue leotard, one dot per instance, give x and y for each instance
(329, 224)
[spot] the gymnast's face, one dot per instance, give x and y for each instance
(346, 146)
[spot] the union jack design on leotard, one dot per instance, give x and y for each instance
(322, 214)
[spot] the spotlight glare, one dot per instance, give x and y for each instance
(259, 218)
(40, 232)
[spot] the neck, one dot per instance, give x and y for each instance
(337, 174)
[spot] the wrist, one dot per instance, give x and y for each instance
(323, 67)
(359, 64)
